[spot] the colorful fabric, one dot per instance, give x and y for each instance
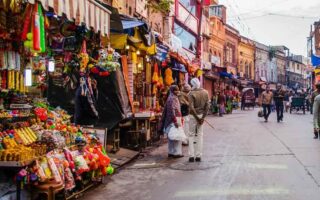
(171, 110)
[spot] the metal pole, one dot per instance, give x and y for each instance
(199, 32)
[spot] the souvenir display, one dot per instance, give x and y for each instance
(59, 73)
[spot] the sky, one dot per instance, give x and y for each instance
(274, 22)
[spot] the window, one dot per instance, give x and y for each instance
(215, 11)
(229, 54)
(190, 5)
(189, 41)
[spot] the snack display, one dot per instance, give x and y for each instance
(56, 149)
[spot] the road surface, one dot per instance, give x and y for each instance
(244, 159)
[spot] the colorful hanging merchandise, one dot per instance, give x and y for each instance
(155, 79)
(168, 80)
(33, 33)
(84, 57)
(108, 62)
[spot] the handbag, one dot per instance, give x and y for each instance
(260, 113)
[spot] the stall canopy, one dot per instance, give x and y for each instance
(90, 12)
(226, 74)
(315, 60)
(135, 32)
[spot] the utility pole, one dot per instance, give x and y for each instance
(199, 37)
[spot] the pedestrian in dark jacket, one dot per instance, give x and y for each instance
(221, 103)
(278, 98)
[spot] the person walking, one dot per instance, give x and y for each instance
(266, 103)
(221, 103)
(171, 116)
(278, 98)
(199, 106)
(185, 111)
(316, 116)
(315, 108)
(314, 94)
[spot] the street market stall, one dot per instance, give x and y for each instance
(44, 44)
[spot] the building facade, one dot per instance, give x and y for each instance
(281, 62)
(317, 37)
(246, 58)
(297, 72)
(262, 69)
(217, 16)
(231, 49)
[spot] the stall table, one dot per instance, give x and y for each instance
(143, 126)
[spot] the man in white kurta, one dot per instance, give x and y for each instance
(199, 106)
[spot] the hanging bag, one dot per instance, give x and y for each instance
(177, 134)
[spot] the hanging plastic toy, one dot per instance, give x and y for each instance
(84, 57)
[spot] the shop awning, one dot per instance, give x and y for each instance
(89, 12)
(206, 65)
(127, 24)
(226, 74)
(315, 60)
(263, 79)
(211, 75)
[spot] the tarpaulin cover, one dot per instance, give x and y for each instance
(315, 60)
(225, 74)
(118, 41)
(112, 105)
(126, 24)
(138, 42)
(162, 51)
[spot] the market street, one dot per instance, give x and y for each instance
(244, 158)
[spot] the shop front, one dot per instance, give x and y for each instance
(51, 55)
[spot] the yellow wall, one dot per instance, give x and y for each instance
(216, 44)
(246, 55)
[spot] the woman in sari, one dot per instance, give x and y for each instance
(171, 116)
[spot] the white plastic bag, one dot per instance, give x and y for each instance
(177, 134)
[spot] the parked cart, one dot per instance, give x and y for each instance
(298, 104)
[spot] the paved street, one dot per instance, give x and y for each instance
(244, 158)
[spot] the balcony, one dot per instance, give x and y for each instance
(187, 18)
